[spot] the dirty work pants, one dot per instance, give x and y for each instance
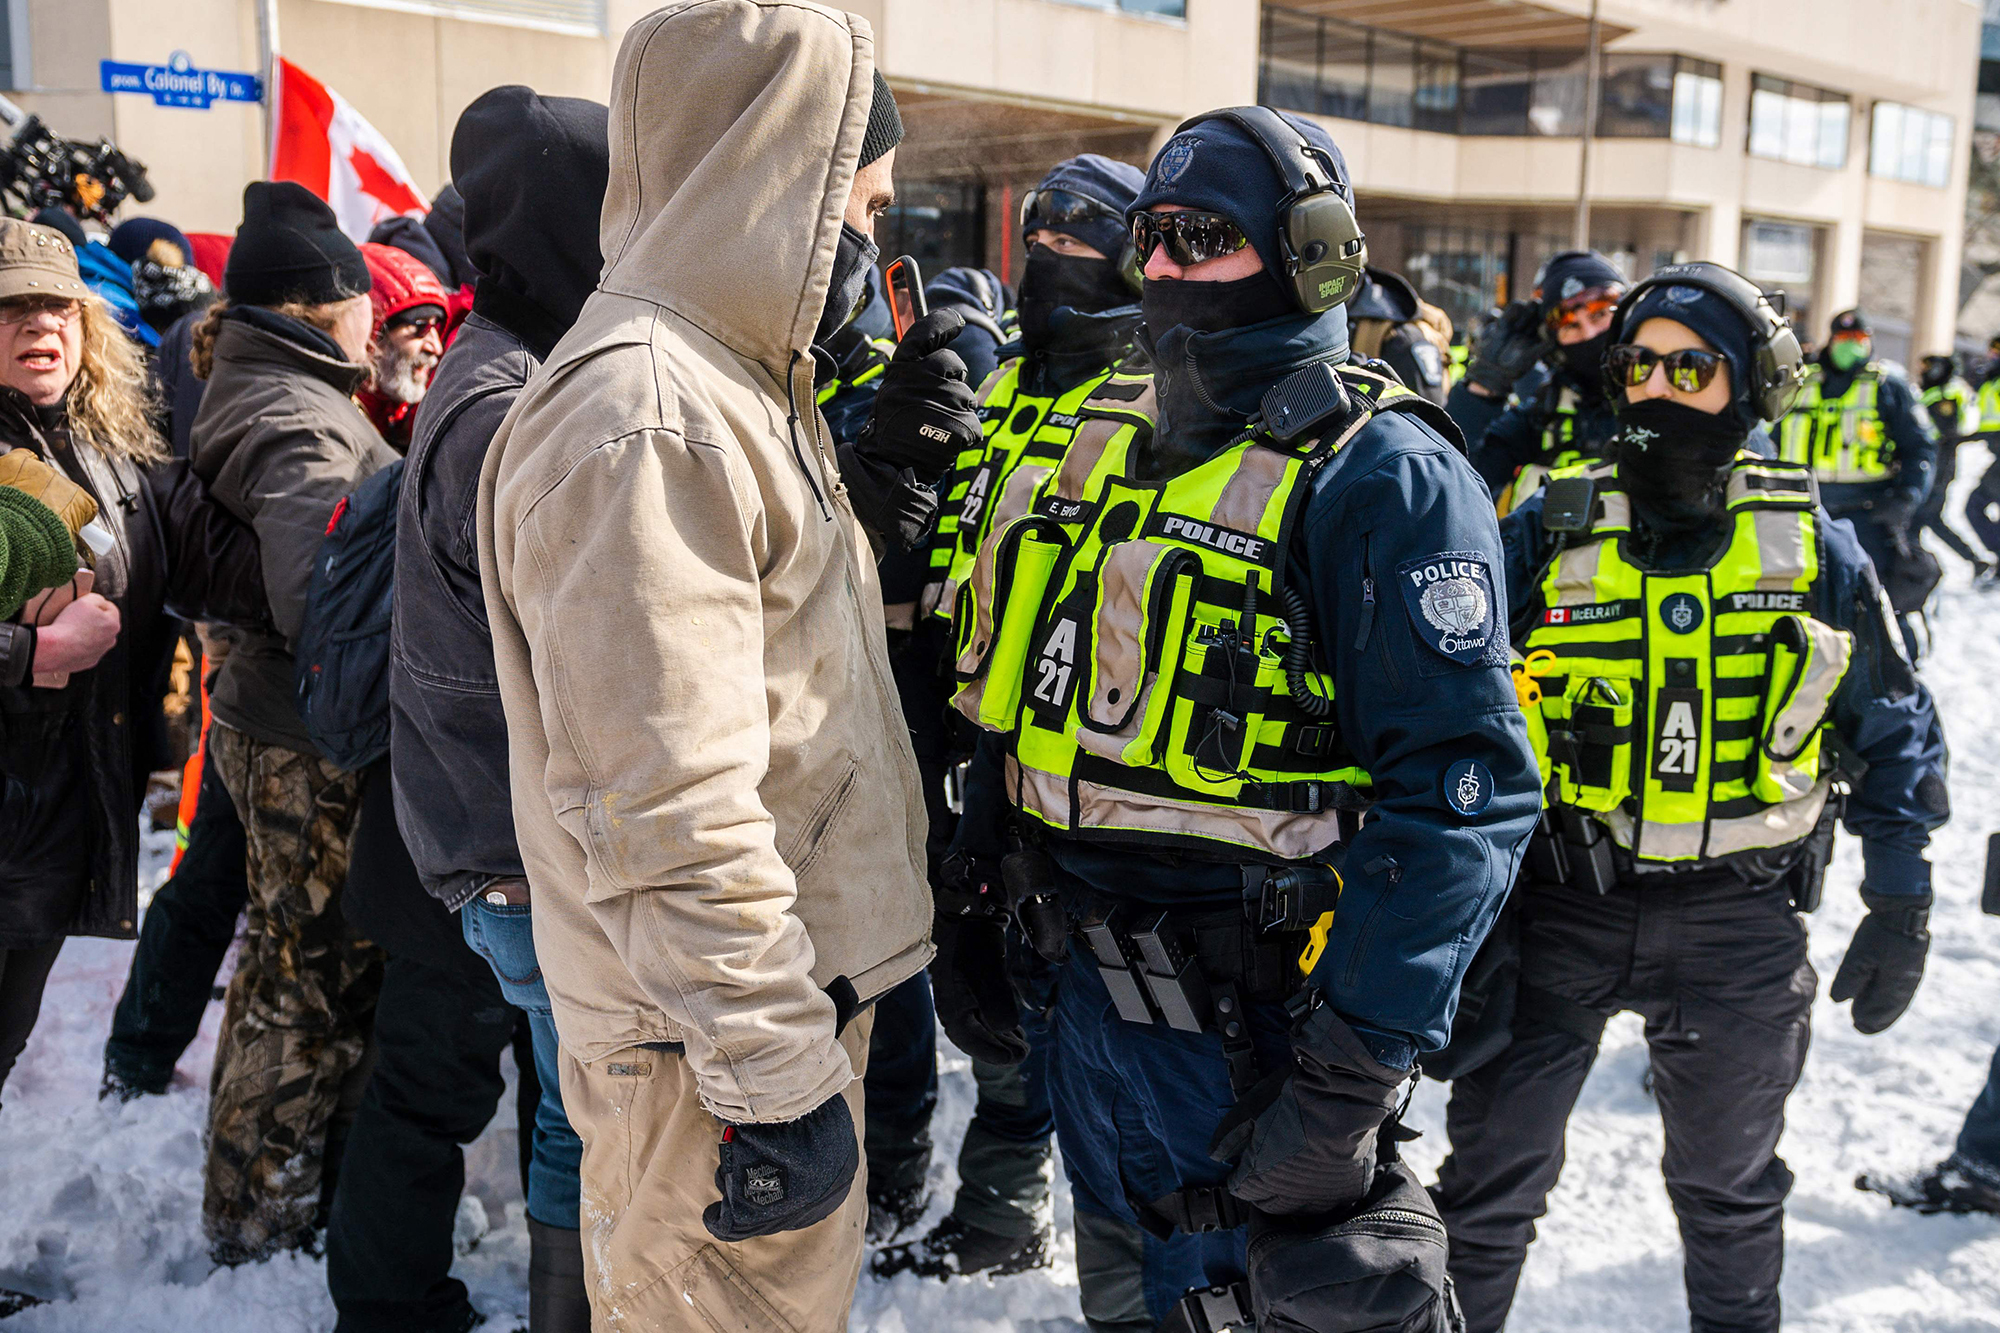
(649, 1159)
(291, 1058)
(185, 935)
(1718, 971)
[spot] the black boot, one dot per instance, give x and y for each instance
(957, 1249)
(1952, 1186)
(558, 1300)
(895, 1210)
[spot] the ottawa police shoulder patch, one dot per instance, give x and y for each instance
(1468, 787)
(1451, 603)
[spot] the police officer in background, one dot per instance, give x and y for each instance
(1076, 315)
(1533, 397)
(1390, 323)
(1257, 597)
(1859, 427)
(1954, 411)
(1705, 661)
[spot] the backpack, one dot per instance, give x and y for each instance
(341, 658)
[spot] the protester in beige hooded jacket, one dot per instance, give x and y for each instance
(714, 791)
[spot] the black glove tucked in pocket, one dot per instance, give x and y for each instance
(1304, 1140)
(783, 1177)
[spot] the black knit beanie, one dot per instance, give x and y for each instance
(885, 123)
(291, 248)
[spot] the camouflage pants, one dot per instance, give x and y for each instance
(300, 1008)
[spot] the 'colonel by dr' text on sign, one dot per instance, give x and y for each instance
(179, 83)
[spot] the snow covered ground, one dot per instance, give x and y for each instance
(100, 1205)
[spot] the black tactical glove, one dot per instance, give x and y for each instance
(1885, 961)
(893, 505)
(925, 412)
(969, 982)
(1507, 349)
(783, 1177)
(1304, 1141)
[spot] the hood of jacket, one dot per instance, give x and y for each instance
(744, 255)
(532, 170)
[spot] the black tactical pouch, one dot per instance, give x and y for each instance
(1381, 1269)
(1806, 880)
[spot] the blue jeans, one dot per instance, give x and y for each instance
(1135, 1108)
(504, 937)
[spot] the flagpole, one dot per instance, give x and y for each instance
(267, 53)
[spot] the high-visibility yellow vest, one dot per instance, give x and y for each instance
(1129, 638)
(872, 368)
(1558, 450)
(1686, 711)
(1953, 408)
(1840, 439)
(1023, 439)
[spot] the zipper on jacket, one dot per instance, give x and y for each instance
(792, 400)
(1367, 625)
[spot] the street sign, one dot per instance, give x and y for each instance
(179, 83)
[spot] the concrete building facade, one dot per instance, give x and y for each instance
(1814, 143)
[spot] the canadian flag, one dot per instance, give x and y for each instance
(327, 146)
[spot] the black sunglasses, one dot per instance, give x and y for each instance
(1060, 208)
(1190, 238)
(1690, 370)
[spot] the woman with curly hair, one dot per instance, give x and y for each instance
(82, 668)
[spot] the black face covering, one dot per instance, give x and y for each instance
(1585, 360)
(853, 256)
(1674, 458)
(1211, 307)
(1077, 282)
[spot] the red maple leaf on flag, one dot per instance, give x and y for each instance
(378, 181)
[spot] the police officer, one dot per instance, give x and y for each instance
(1982, 507)
(1859, 427)
(1533, 397)
(1954, 411)
(1076, 315)
(1705, 661)
(1390, 323)
(1257, 596)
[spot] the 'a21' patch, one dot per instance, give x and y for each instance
(1451, 604)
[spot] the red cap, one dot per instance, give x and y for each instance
(402, 282)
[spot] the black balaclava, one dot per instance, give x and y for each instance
(855, 253)
(1218, 347)
(1674, 459)
(847, 290)
(1937, 372)
(532, 171)
(1053, 282)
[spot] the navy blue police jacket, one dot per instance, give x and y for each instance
(1424, 701)
(1883, 715)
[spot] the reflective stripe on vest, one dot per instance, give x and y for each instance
(1557, 438)
(1127, 636)
(1951, 407)
(1685, 711)
(882, 349)
(1988, 402)
(1840, 439)
(1023, 439)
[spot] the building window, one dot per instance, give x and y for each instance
(14, 73)
(1661, 97)
(582, 17)
(1168, 9)
(1796, 122)
(1907, 144)
(942, 224)
(1330, 67)
(1697, 103)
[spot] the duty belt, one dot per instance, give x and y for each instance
(1196, 971)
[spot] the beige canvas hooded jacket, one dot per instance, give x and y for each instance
(713, 785)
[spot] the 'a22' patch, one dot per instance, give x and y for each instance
(1452, 606)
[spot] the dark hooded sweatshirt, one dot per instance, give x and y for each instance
(532, 171)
